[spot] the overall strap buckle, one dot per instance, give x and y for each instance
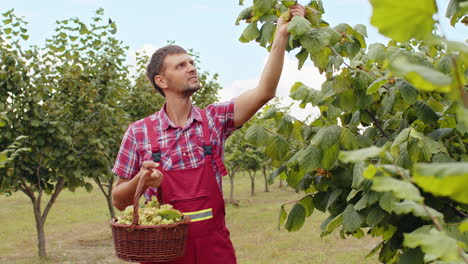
(208, 149)
(156, 156)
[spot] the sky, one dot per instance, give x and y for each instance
(208, 27)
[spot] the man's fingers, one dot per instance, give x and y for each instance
(297, 10)
(149, 164)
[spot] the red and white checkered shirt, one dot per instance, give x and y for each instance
(181, 147)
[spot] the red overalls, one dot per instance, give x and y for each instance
(195, 192)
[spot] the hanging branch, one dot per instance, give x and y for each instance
(377, 123)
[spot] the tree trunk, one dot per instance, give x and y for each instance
(40, 216)
(107, 193)
(252, 182)
(231, 180)
(266, 179)
(41, 243)
(109, 199)
(281, 183)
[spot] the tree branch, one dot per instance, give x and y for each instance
(27, 190)
(377, 123)
(58, 189)
(98, 182)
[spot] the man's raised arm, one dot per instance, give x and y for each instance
(248, 103)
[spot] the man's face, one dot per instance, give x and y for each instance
(180, 74)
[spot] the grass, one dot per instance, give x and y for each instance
(77, 231)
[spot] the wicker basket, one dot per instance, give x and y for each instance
(156, 243)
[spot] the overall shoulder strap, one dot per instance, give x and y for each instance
(153, 137)
(208, 147)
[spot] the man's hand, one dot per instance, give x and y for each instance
(282, 25)
(153, 177)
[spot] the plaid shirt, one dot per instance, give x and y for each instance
(181, 147)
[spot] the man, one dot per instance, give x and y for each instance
(178, 150)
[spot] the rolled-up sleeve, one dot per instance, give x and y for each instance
(127, 161)
(223, 113)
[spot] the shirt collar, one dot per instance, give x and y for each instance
(166, 122)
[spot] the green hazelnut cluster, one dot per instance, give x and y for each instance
(152, 214)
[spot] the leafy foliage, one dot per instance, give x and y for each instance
(389, 152)
(65, 106)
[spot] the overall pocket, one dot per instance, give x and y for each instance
(200, 211)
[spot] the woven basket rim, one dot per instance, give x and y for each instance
(185, 220)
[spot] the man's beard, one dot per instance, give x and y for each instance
(191, 89)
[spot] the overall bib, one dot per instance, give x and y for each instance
(195, 192)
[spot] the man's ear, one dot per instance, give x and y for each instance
(160, 81)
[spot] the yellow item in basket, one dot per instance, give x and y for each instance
(152, 214)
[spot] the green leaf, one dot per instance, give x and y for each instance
(282, 217)
(361, 29)
(298, 91)
(288, 4)
(400, 189)
(375, 250)
(376, 85)
(24, 36)
(83, 29)
(400, 139)
(369, 172)
(407, 91)
(285, 126)
(402, 20)
(358, 172)
(321, 200)
(354, 156)
(301, 57)
(425, 113)
(463, 226)
(454, 11)
(250, 33)
(256, 135)
(422, 77)
(244, 14)
(330, 156)
(277, 147)
(352, 220)
(311, 158)
(388, 102)
(308, 203)
(266, 33)
(443, 179)
(88, 186)
(315, 40)
(375, 216)
(263, 6)
(298, 25)
(437, 245)
(334, 223)
(348, 139)
(412, 256)
(440, 133)
(387, 252)
(376, 52)
(326, 137)
(270, 113)
(332, 198)
(362, 203)
(296, 218)
(407, 206)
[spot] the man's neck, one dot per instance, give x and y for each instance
(178, 110)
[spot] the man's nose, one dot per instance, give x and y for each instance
(191, 68)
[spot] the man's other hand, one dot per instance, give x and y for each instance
(282, 25)
(153, 177)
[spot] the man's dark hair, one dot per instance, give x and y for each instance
(155, 65)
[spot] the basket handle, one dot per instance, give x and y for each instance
(138, 193)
